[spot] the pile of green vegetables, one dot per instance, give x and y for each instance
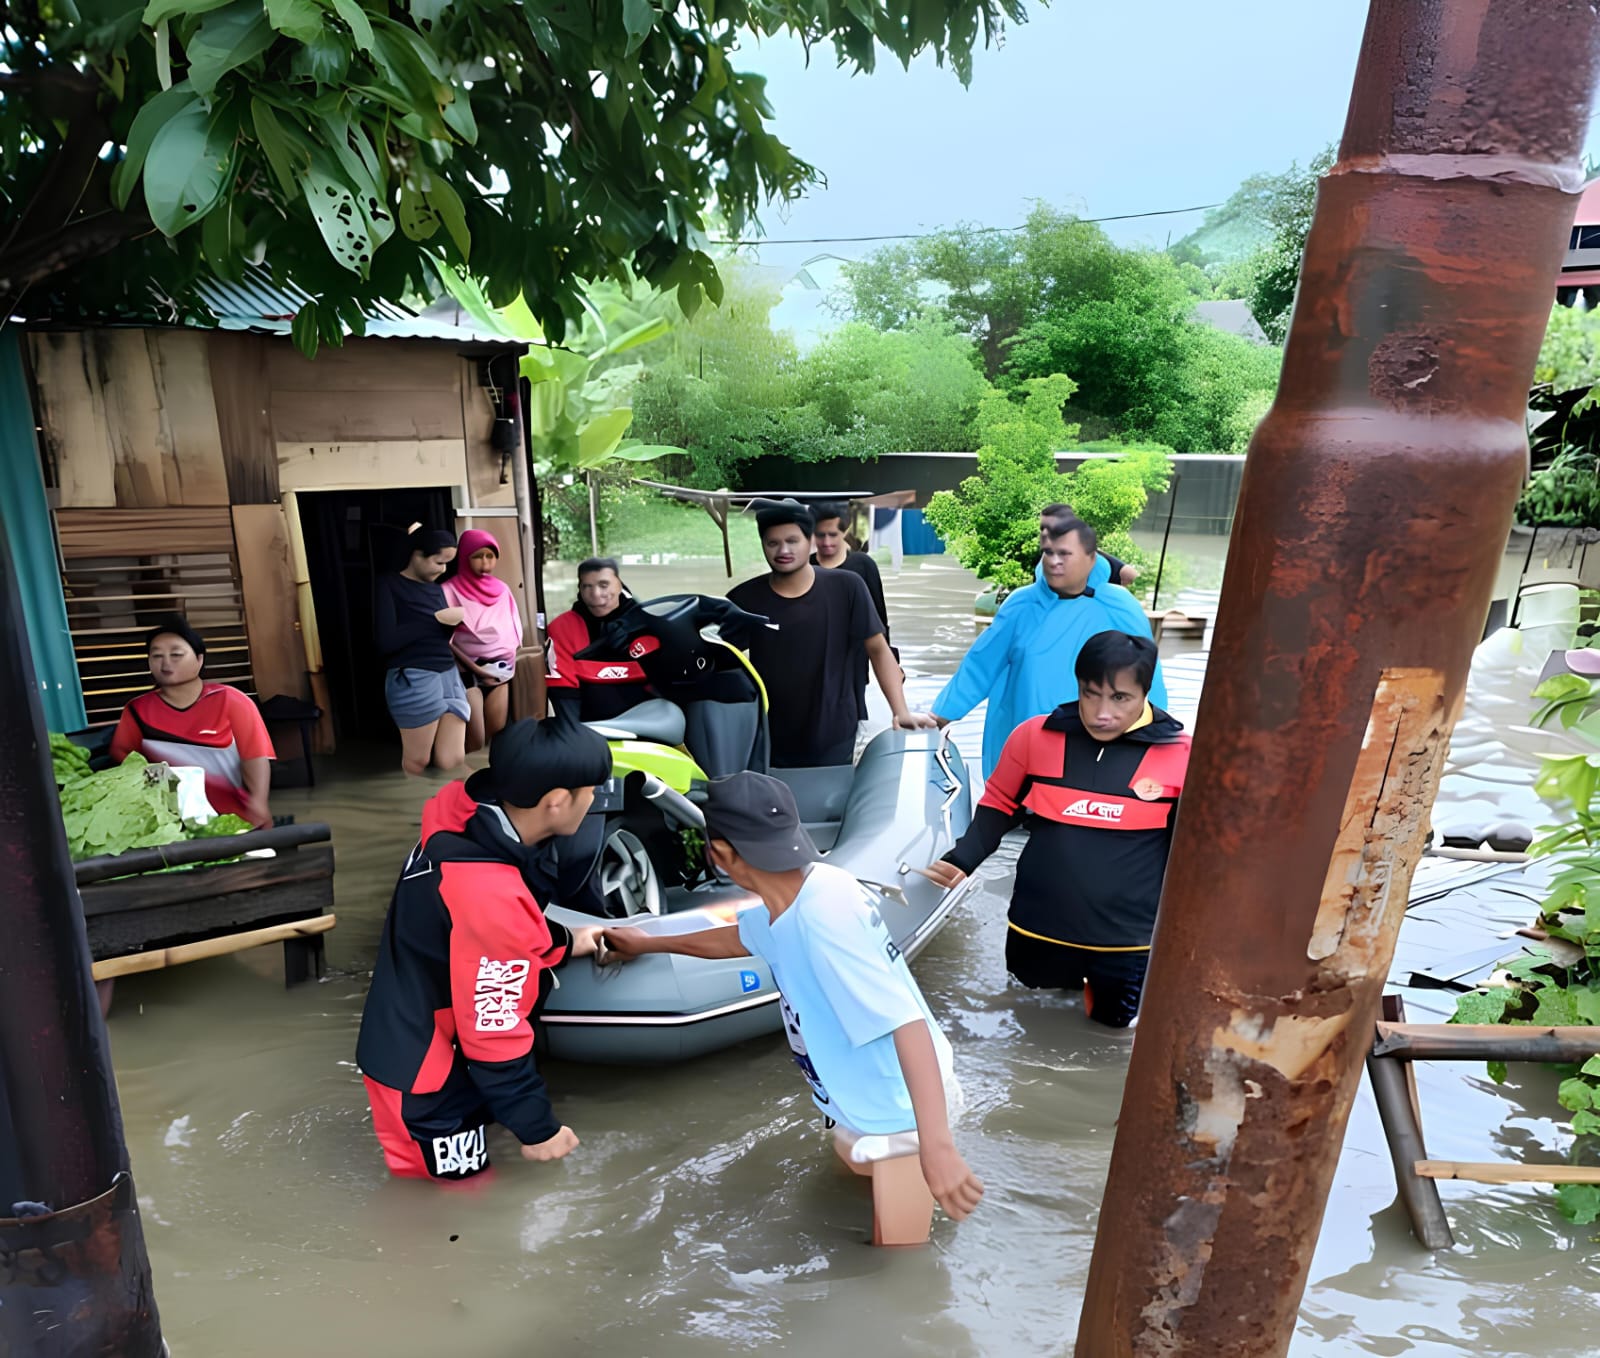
(132, 806)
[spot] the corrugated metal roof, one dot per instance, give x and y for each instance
(257, 303)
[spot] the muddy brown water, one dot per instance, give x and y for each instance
(703, 1214)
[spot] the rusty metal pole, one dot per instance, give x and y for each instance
(1375, 507)
(74, 1279)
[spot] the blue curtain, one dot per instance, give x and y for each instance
(26, 515)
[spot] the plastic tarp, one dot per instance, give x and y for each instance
(25, 514)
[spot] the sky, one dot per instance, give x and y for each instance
(1103, 108)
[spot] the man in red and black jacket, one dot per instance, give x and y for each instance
(1101, 777)
(467, 959)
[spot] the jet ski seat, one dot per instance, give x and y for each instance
(655, 720)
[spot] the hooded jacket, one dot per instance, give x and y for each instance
(1023, 662)
(1100, 831)
(465, 963)
(597, 690)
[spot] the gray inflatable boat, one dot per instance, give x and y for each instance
(903, 804)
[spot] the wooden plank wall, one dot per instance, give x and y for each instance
(128, 419)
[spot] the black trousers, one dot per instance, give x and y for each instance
(1112, 982)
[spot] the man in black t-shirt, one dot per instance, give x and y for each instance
(824, 621)
(833, 553)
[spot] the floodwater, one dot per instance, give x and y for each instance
(703, 1213)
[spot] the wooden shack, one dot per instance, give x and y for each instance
(224, 475)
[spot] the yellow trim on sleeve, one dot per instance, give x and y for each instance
(1083, 947)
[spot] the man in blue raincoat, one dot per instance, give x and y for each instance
(1023, 664)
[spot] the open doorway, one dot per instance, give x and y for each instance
(352, 537)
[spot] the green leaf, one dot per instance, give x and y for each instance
(638, 18)
(159, 11)
(1576, 1093)
(1591, 1066)
(287, 160)
(1563, 688)
(1556, 1007)
(226, 40)
(598, 439)
(1481, 1006)
(219, 236)
(644, 452)
(1585, 1122)
(297, 19)
(1497, 1071)
(640, 334)
(163, 55)
(1529, 966)
(355, 20)
(427, 12)
(458, 117)
(418, 220)
(325, 60)
(444, 200)
(1579, 1203)
(189, 165)
(150, 119)
(353, 224)
(303, 330)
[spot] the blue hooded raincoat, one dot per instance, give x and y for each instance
(1023, 663)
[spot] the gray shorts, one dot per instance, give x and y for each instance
(420, 697)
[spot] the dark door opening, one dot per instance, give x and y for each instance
(352, 537)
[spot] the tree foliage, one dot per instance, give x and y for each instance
(1060, 297)
(357, 146)
(991, 520)
(733, 389)
(1287, 207)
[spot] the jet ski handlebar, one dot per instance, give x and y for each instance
(674, 620)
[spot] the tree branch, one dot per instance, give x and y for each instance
(34, 261)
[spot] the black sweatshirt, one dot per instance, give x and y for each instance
(1100, 832)
(407, 634)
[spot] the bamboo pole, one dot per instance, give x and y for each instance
(1489, 1172)
(1484, 1042)
(158, 959)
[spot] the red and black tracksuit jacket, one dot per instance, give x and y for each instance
(464, 965)
(1100, 830)
(597, 690)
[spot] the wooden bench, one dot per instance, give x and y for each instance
(140, 918)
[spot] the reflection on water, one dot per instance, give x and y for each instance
(702, 1214)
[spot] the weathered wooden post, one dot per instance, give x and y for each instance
(1374, 511)
(74, 1278)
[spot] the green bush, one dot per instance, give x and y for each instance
(991, 521)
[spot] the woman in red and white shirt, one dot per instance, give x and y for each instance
(190, 723)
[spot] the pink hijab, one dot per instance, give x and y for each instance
(481, 589)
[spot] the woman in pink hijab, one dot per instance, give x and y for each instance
(490, 633)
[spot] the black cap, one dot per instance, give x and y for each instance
(757, 815)
(530, 758)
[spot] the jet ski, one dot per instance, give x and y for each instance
(641, 854)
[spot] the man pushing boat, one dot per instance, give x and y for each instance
(861, 1033)
(467, 959)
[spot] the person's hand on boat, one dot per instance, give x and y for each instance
(950, 1179)
(562, 1143)
(944, 873)
(450, 617)
(585, 942)
(915, 721)
(624, 944)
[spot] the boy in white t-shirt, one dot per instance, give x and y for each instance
(877, 1064)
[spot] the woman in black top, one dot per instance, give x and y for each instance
(412, 626)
